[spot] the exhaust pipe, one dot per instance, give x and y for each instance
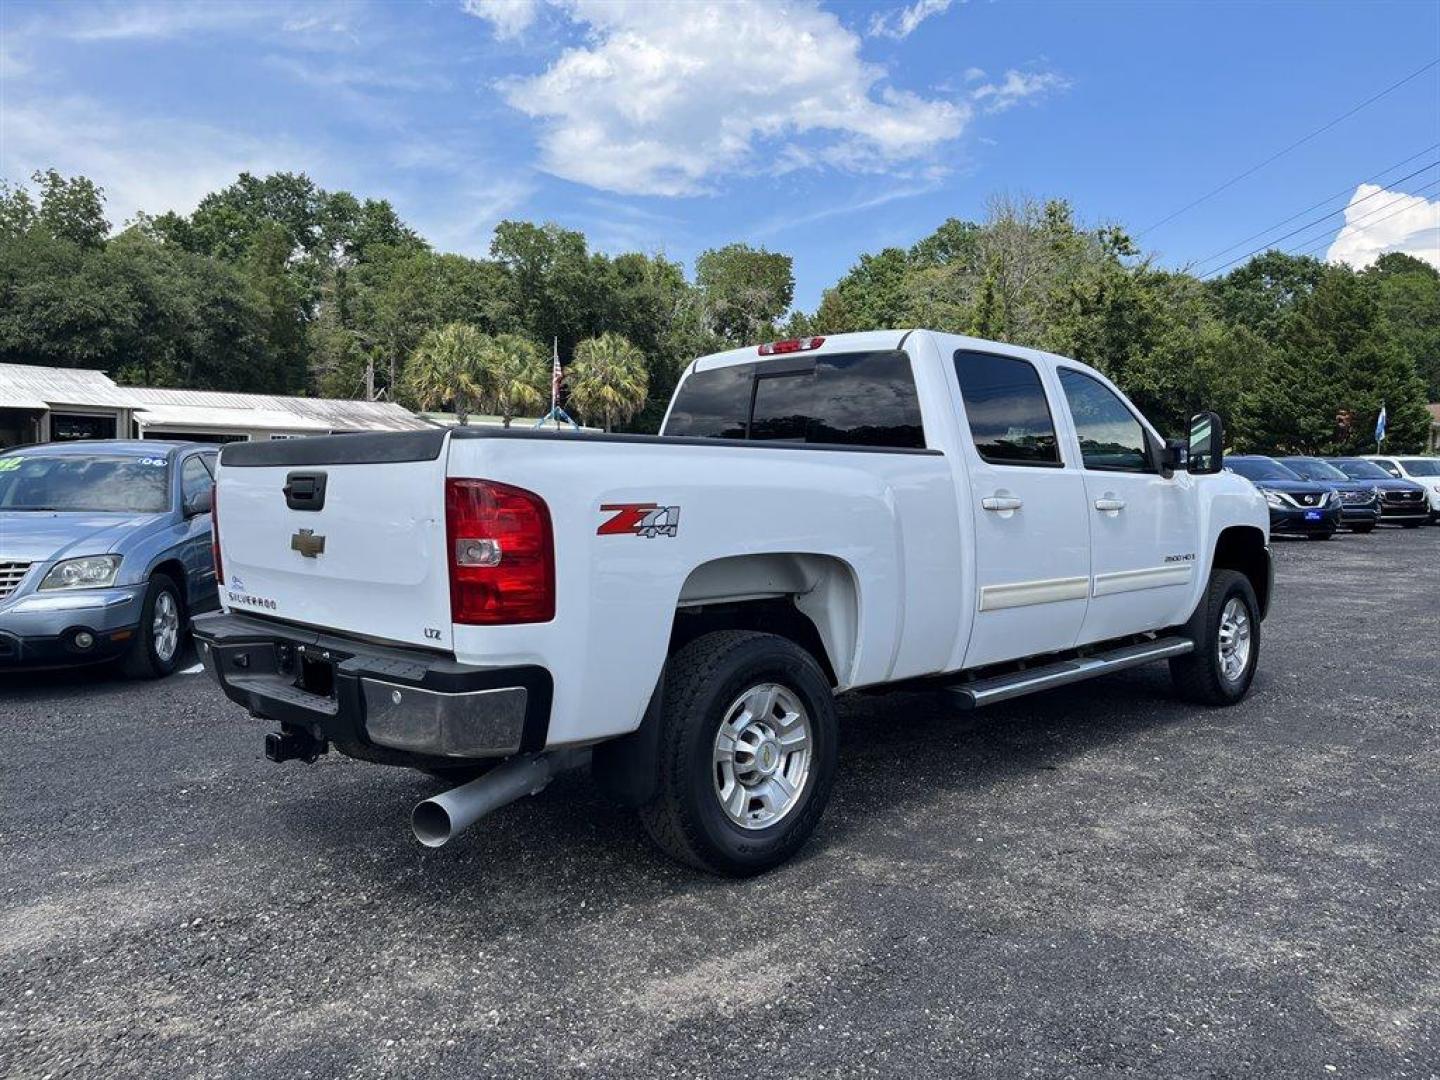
(438, 820)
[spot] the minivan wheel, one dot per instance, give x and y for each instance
(1226, 631)
(155, 651)
(747, 753)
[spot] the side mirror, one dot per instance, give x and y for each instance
(200, 503)
(1207, 444)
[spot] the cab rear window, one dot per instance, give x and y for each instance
(843, 399)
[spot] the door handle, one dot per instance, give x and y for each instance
(1109, 506)
(1001, 502)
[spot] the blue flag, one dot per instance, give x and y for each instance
(1380, 425)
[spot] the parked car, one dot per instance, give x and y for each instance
(853, 511)
(1359, 500)
(1297, 506)
(105, 551)
(1424, 471)
(1402, 502)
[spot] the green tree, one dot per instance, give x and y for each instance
(517, 376)
(1409, 295)
(607, 379)
(744, 290)
(449, 368)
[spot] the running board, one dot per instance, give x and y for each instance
(1004, 687)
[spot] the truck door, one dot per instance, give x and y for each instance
(1143, 527)
(1032, 539)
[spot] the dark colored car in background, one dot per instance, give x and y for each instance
(1359, 499)
(1402, 502)
(1297, 506)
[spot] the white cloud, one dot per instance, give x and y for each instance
(1015, 87)
(151, 165)
(510, 18)
(902, 23)
(1379, 221)
(662, 99)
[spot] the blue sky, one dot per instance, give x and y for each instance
(821, 129)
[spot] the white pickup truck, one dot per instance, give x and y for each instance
(679, 611)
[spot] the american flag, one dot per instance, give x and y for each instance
(555, 377)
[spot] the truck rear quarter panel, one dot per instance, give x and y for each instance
(889, 517)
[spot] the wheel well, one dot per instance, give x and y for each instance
(175, 571)
(1242, 548)
(770, 616)
(810, 599)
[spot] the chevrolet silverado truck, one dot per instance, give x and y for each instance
(820, 515)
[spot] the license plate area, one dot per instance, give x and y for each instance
(1312, 515)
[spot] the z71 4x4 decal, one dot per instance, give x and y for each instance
(639, 519)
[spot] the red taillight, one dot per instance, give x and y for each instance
(798, 344)
(502, 554)
(215, 535)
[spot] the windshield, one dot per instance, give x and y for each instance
(1311, 469)
(105, 483)
(1416, 466)
(1260, 469)
(1360, 469)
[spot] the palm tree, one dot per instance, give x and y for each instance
(447, 366)
(517, 376)
(607, 379)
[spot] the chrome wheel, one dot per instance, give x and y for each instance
(1234, 639)
(165, 626)
(762, 756)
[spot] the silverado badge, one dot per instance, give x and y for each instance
(307, 543)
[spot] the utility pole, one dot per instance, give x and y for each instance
(370, 379)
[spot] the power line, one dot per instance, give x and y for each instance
(1269, 244)
(1281, 153)
(1330, 240)
(1314, 206)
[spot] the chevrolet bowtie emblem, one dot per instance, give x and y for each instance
(307, 543)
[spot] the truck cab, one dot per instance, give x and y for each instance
(816, 516)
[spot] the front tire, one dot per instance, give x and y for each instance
(155, 652)
(748, 738)
(1226, 632)
(1362, 530)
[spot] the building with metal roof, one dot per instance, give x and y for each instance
(41, 404)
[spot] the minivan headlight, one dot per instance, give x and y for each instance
(86, 572)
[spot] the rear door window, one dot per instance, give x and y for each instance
(1009, 415)
(845, 399)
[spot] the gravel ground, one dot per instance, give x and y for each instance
(1092, 882)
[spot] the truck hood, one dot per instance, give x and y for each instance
(41, 535)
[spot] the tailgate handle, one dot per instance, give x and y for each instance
(305, 490)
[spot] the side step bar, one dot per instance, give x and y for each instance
(1004, 687)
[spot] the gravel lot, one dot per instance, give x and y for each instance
(1093, 882)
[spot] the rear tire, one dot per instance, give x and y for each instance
(155, 651)
(747, 755)
(1226, 632)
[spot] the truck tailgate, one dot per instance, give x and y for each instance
(357, 546)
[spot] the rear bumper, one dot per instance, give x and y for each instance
(384, 703)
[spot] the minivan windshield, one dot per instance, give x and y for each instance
(1311, 469)
(1417, 466)
(103, 483)
(1259, 469)
(1360, 469)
